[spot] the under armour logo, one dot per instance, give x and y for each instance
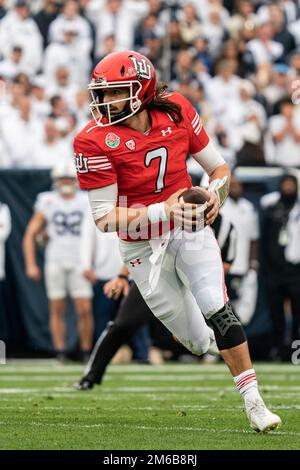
(81, 163)
(135, 263)
(164, 132)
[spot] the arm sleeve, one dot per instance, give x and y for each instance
(103, 200)
(200, 145)
(94, 168)
(209, 158)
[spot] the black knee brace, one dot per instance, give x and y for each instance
(227, 328)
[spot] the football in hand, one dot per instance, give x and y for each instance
(194, 196)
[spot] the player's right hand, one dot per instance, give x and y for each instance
(183, 214)
(173, 201)
(33, 273)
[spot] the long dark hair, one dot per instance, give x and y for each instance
(164, 104)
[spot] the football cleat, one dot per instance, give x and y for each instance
(260, 418)
(83, 385)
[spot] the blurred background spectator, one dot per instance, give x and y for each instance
(285, 131)
(58, 219)
(241, 280)
(281, 255)
(18, 28)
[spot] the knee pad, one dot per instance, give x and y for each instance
(227, 328)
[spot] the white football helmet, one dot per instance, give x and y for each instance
(63, 169)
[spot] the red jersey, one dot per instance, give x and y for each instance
(147, 168)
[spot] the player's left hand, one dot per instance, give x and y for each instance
(212, 207)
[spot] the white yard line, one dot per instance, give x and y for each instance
(150, 389)
(148, 428)
(40, 407)
(40, 378)
(199, 377)
(38, 366)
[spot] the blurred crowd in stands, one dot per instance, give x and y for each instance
(237, 61)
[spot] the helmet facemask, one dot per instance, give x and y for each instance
(65, 186)
(132, 104)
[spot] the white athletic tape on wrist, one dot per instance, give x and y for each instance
(200, 215)
(220, 188)
(200, 210)
(157, 213)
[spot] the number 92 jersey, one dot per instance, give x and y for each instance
(64, 218)
(148, 168)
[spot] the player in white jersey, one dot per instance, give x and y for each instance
(61, 212)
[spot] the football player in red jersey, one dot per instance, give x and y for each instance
(132, 160)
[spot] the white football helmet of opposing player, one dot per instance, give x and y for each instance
(64, 178)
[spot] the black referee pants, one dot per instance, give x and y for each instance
(278, 290)
(133, 314)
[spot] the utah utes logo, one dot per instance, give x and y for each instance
(81, 163)
(143, 70)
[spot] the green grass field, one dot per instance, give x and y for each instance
(141, 407)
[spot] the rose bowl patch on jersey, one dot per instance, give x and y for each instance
(112, 140)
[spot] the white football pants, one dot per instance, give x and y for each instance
(191, 281)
